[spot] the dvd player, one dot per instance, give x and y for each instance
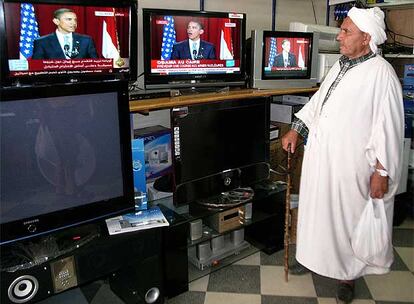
(148, 94)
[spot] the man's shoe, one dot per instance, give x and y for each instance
(298, 269)
(345, 293)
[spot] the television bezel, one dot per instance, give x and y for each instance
(259, 81)
(190, 80)
(7, 80)
(64, 218)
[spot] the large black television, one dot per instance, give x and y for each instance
(171, 62)
(101, 44)
(282, 59)
(65, 156)
(219, 146)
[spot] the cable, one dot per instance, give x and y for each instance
(314, 13)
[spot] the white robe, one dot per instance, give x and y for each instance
(362, 121)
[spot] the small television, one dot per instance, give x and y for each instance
(65, 156)
(283, 59)
(218, 147)
(193, 48)
(46, 41)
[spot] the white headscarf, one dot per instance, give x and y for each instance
(370, 21)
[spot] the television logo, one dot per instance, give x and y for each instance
(230, 63)
(137, 165)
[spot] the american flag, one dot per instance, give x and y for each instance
(273, 51)
(168, 38)
(29, 30)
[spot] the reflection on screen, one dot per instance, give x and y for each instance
(58, 153)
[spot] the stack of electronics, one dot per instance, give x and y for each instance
(64, 113)
(65, 110)
(211, 252)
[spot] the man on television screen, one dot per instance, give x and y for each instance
(194, 48)
(286, 58)
(64, 43)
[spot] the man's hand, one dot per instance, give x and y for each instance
(378, 185)
(290, 138)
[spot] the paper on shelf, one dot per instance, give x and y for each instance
(145, 219)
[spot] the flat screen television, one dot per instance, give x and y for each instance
(283, 59)
(96, 40)
(219, 147)
(172, 60)
(65, 156)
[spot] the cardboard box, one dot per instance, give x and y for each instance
(157, 148)
(278, 159)
(138, 167)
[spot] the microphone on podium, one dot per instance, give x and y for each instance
(195, 54)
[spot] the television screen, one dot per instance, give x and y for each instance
(283, 59)
(65, 156)
(224, 139)
(189, 48)
(286, 57)
(72, 40)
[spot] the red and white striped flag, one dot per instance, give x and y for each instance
(301, 62)
(110, 45)
(226, 44)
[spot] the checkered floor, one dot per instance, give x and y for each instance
(259, 279)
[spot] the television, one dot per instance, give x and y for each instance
(65, 156)
(170, 61)
(283, 59)
(101, 41)
(218, 147)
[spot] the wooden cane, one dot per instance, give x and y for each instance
(287, 215)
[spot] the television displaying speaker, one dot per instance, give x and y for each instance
(169, 62)
(103, 43)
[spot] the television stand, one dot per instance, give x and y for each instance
(201, 90)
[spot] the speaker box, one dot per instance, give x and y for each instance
(203, 251)
(102, 256)
(196, 229)
(140, 284)
(26, 286)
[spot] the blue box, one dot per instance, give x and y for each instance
(138, 167)
(157, 147)
(408, 75)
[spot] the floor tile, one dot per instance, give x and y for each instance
(399, 264)
(403, 237)
(407, 256)
(394, 286)
(273, 283)
(326, 287)
(333, 301)
(231, 298)
(200, 284)
(193, 297)
(408, 223)
(288, 300)
(278, 258)
(253, 259)
(237, 279)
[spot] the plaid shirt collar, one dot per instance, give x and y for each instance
(353, 62)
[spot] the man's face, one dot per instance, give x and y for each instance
(352, 42)
(67, 23)
(286, 46)
(194, 30)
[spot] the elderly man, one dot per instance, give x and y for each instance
(354, 129)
